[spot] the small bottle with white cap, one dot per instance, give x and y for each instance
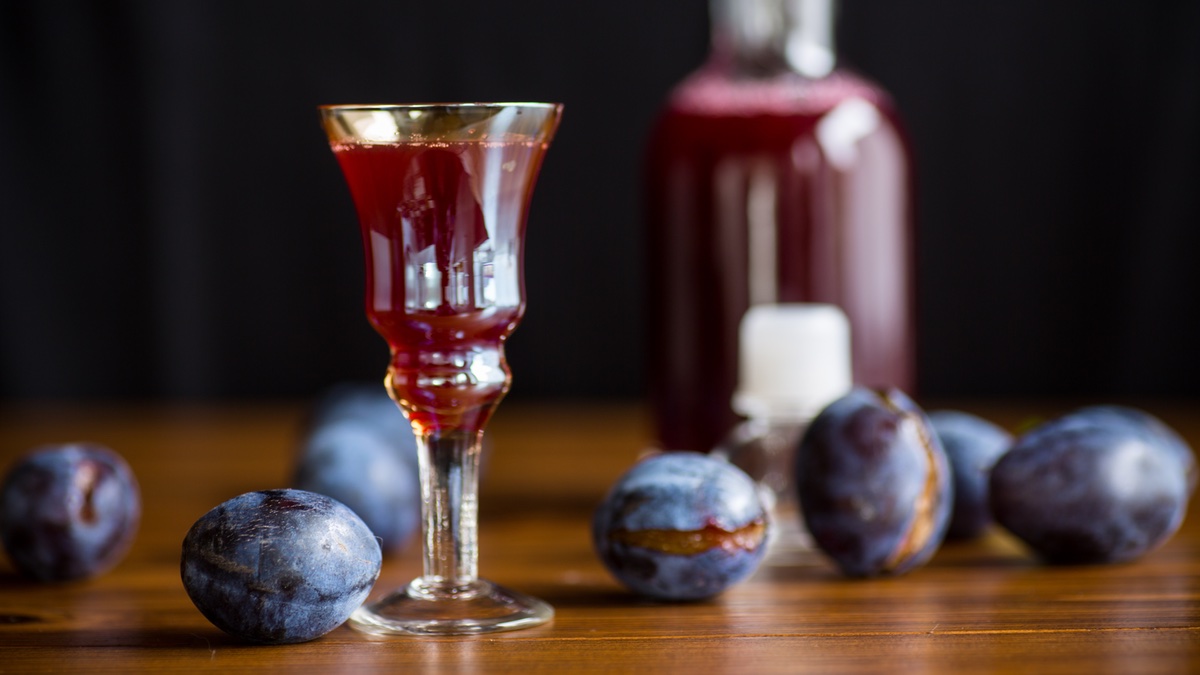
(794, 359)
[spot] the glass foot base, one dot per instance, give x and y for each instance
(478, 607)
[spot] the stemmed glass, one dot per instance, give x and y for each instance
(442, 192)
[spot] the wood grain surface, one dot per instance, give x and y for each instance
(983, 606)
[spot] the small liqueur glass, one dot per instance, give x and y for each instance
(442, 192)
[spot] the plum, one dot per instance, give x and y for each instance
(361, 451)
(874, 483)
(279, 566)
(1094, 486)
(1151, 427)
(69, 511)
(681, 526)
(972, 445)
(369, 406)
(355, 465)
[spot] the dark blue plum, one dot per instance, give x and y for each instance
(973, 445)
(69, 511)
(354, 464)
(681, 526)
(1091, 487)
(279, 566)
(874, 483)
(368, 405)
(360, 450)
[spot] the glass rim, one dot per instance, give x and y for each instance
(427, 106)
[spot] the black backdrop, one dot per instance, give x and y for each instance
(173, 225)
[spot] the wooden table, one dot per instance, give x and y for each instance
(984, 606)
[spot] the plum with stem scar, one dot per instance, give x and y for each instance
(279, 566)
(69, 511)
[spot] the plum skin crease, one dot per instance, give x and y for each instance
(69, 511)
(681, 497)
(1094, 486)
(874, 483)
(279, 566)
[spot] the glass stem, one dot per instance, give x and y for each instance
(449, 462)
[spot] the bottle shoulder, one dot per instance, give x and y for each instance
(714, 92)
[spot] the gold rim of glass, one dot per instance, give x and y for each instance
(408, 106)
(424, 122)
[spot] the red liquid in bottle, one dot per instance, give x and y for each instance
(443, 229)
(786, 189)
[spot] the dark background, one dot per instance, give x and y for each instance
(173, 225)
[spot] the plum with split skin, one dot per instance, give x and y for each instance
(874, 483)
(681, 526)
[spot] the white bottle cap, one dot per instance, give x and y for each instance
(794, 360)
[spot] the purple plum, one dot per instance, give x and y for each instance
(1094, 486)
(973, 445)
(681, 526)
(69, 511)
(874, 483)
(360, 450)
(279, 566)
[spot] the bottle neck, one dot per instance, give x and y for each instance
(774, 412)
(768, 37)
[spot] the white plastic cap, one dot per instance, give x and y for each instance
(794, 360)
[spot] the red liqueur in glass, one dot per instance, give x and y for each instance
(444, 285)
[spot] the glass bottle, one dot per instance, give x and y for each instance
(794, 360)
(773, 175)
